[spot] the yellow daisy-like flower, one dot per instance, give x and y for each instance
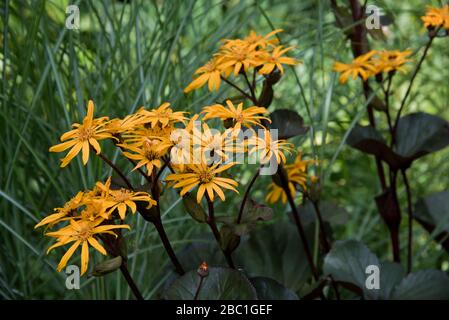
(361, 66)
(436, 17)
(213, 145)
(210, 74)
(148, 154)
(261, 40)
(266, 148)
(95, 209)
(118, 126)
(275, 59)
(206, 178)
(297, 171)
(163, 115)
(140, 134)
(83, 233)
(297, 176)
(276, 193)
(121, 199)
(236, 55)
(61, 213)
(83, 137)
(241, 117)
(392, 60)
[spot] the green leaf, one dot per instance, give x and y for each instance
(270, 289)
(252, 213)
(195, 210)
(419, 134)
(192, 255)
(256, 212)
(391, 274)
(288, 123)
(276, 251)
(434, 209)
(347, 262)
(423, 285)
(220, 284)
(369, 140)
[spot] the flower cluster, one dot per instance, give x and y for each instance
(235, 56)
(90, 215)
(372, 63)
(198, 156)
(149, 138)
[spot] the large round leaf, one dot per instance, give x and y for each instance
(347, 262)
(288, 123)
(391, 274)
(434, 209)
(423, 285)
(368, 140)
(276, 251)
(270, 289)
(192, 255)
(220, 284)
(420, 133)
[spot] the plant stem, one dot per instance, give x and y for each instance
(157, 222)
(393, 226)
(335, 287)
(254, 80)
(245, 197)
(198, 289)
(410, 221)
(387, 106)
(213, 226)
(299, 226)
(168, 248)
(111, 248)
(418, 66)
(117, 170)
(394, 235)
(238, 89)
(131, 283)
(324, 240)
(161, 170)
(251, 89)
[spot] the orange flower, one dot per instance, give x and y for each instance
(241, 117)
(83, 137)
(361, 66)
(275, 59)
(209, 73)
(436, 17)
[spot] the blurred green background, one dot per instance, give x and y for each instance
(126, 55)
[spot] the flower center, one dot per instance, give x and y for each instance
(205, 177)
(122, 195)
(85, 232)
(149, 150)
(85, 133)
(209, 66)
(239, 117)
